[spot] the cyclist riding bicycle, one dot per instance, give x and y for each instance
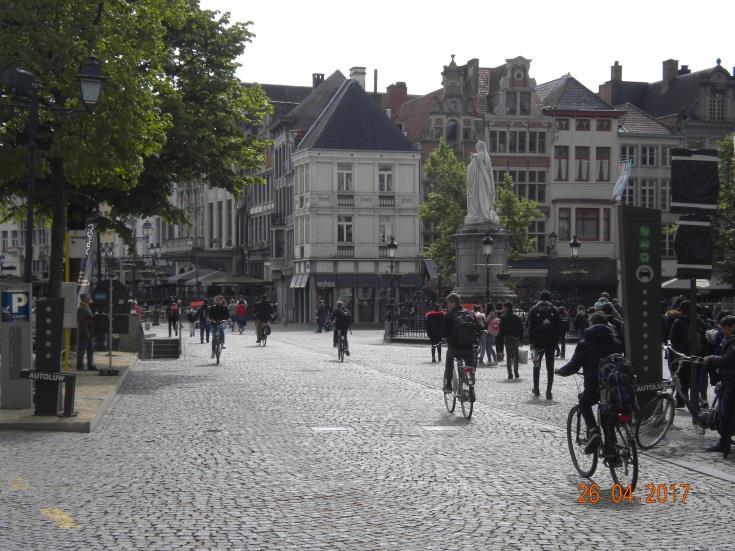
(598, 341)
(217, 313)
(263, 314)
(342, 320)
(462, 332)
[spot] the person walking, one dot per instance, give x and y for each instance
(543, 333)
(679, 338)
(321, 316)
(722, 367)
(241, 312)
(499, 344)
(191, 317)
(85, 334)
(561, 346)
(231, 307)
(434, 324)
(580, 321)
(483, 340)
(203, 318)
(493, 334)
(511, 329)
(172, 315)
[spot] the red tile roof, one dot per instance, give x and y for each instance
(415, 115)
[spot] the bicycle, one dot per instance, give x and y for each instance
(617, 447)
(463, 389)
(341, 345)
(265, 330)
(216, 341)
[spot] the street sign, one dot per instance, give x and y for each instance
(16, 305)
(640, 245)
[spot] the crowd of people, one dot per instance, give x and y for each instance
(600, 331)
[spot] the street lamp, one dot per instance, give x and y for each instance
(553, 238)
(21, 82)
(392, 247)
(147, 230)
(487, 249)
(574, 245)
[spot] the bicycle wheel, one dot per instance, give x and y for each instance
(624, 465)
(654, 421)
(340, 353)
(468, 399)
(217, 352)
(450, 400)
(577, 437)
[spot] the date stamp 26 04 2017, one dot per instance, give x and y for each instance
(655, 493)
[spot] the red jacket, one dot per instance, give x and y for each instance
(241, 310)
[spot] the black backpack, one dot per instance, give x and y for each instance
(465, 330)
(617, 385)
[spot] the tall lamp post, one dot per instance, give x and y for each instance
(90, 79)
(392, 247)
(487, 249)
(574, 246)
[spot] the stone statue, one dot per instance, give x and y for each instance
(480, 188)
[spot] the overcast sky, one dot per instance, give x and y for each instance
(411, 41)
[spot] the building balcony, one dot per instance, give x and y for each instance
(345, 251)
(387, 201)
(345, 200)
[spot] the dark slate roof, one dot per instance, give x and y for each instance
(567, 93)
(637, 121)
(285, 93)
(307, 111)
(352, 120)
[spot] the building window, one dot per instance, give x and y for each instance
(606, 225)
(385, 178)
(587, 224)
(716, 102)
(582, 158)
(602, 158)
(510, 103)
(516, 142)
(629, 193)
(537, 232)
(451, 133)
(667, 242)
(664, 195)
(5, 241)
(583, 124)
(565, 224)
(498, 141)
(344, 177)
(665, 156)
(344, 229)
(603, 125)
(648, 155)
(627, 152)
(14, 239)
(385, 229)
(561, 156)
(562, 124)
(647, 194)
(228, 224)
(525, 103)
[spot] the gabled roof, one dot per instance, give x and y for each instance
(284, 97)
(637, 121)
(306, 112)
(415, 115)
(567, 93)
(353, 121)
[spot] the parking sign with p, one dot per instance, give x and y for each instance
(16, 306)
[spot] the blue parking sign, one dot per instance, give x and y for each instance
(16, 306)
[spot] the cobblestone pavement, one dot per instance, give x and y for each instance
(198, 456)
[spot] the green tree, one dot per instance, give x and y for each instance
(724, 220)
(171, 109)
(516, 215)
(445, 205)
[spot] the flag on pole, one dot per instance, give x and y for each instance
(624, 168)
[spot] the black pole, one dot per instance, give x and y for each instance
(487, 280)
(32, 131)
(99, 256)
(694, 348)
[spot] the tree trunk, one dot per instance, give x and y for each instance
(58, 229)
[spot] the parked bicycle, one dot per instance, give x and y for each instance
(617, 448)
(463, 389)
(341, 345)
(217, 344)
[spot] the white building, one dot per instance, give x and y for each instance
(356, 185)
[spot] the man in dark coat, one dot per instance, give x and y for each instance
(544, 328)
(456, 347)
(203, 319)
(598, 342)
(434, 325)
(724, 368)
(85, 334)
(679, 338)
(342, 319)
(511, 329)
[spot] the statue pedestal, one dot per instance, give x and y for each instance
(471, 274)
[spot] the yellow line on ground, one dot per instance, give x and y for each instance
(18, 484)
(59, 518)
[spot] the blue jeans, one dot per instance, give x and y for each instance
(85, 345)
(203, 327)
(727, 400)
(486, 347)
(221, 327)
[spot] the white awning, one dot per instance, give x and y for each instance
(299, 281)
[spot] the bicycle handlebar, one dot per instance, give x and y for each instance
(679, 356)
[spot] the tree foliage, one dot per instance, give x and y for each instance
(445, 205)
(516, 215)
(171, 110)
(724, 220)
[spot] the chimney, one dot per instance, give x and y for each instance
(316, 79)
(616, 72)
(397, 96)
(684, 70)
(358, 74)
(670, 69)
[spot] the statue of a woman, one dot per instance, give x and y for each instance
(480, 188)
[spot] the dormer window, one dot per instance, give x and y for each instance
(525, 103)
(451, 133)
(716, 104)
(510, 103)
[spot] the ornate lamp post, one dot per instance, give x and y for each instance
(574, 246)
(392, 247)
(21, 82)
(487, 249)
